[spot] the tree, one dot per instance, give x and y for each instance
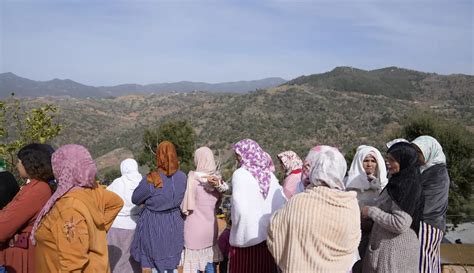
(458, 146)
(20, 125)
(180, 133)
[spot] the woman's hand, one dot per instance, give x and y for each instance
(365, 212)
(213, 181)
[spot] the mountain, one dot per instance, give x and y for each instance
(393, 82)
(22, 87)
(296, 115)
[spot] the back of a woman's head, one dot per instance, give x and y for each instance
(36, 159)
(326, 165)
(404, 154)
(73, 166)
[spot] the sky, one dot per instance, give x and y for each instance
(103, 43)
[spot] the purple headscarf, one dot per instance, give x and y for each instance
(73, 167)
(256, 161)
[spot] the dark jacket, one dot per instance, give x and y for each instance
(435, 182)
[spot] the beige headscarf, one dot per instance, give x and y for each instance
(205, 166)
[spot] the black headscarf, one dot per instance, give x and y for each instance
(8, 188)
(404, 187)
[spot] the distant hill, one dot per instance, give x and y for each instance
(296, 116)
(393, 82)
(22, 87)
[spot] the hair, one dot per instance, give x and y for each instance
(36, 159)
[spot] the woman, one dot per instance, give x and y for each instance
(291, 165)
(393, 244)
(368, 177)
(18, 217)
(203, 191)
(121, 233)
(256, 195)
(70, 231)
(318, 229)
(435, 183)
(159, 239)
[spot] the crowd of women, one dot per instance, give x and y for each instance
(382, 215)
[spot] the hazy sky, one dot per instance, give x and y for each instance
(115, 42)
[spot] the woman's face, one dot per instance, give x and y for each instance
(238, 158)
(421, 157)
(392, 165)
(370, 165)
(21, 169)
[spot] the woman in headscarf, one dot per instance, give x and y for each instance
(256, 195)
(70, 231)
(435, 183)
(18, 216)
(120, 235)
(204, 190)
(291, 165)
(368, 177)
(393, 244)
(159, 239)
(318, 229)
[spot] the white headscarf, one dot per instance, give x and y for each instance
(432, 151)
(124, 187)
(327, 167)
(357, 177)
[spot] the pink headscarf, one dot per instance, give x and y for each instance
(73, 167)
(257, 162)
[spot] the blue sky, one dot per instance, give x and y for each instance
(117, 42)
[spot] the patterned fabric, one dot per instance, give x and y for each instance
(166, 163)
(325, 165)
(357, 178)
(291, 161)
(73, 167)
(256, 161)
(430, 242)
(432, 151)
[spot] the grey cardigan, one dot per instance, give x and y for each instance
(393, 245)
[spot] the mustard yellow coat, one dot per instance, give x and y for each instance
(72, 236)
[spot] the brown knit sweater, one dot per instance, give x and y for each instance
(318, 230)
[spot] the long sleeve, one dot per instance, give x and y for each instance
(26, 204)
(397, 221)
(141, 193)
(72, 238)
(113, 205)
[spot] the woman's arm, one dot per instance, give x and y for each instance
(396, 221)
(113, 205)
(141, 193)
(26, 204)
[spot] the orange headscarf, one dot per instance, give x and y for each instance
(166, 163)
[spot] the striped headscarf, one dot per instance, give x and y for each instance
(432, 151)
(73, 167)
(255, 160)
(291, 161)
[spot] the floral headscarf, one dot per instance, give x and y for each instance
(325, 165)
(291, 161)
(256, 161)
(73, 167)
(432, 151)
